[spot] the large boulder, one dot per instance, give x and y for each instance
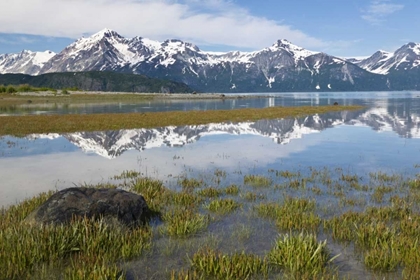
(128, 208)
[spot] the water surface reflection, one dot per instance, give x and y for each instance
(254, 100)
(342, 139)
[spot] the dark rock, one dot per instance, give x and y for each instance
(126, 207)
(335, 103)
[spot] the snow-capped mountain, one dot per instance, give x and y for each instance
(25, 62)
(405, 58)
(280, 67)
(375, 62)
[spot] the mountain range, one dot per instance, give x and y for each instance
(280, 67)
(97, 81)
(111, 144)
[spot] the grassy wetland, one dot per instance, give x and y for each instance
(335, 225)
(305, 223)
(23, 125)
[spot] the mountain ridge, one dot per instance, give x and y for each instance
(280, 67)
(97, 81)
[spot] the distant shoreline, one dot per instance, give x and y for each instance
(137, 94)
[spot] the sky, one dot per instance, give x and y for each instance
(344, 28)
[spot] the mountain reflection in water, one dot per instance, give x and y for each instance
(111, 144)
(347, 140)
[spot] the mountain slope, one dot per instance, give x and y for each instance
(97, 81)
(402, 68)
(280, 67)
(25, 62)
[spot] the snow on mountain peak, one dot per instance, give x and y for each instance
(384, 52)
(151, 44)
(296, 51)
(176, 44)
(26, 62)
(382, 62)
(40, 58)
(106, 32)
(414, 47)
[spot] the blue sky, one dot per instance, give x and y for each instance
(337, 27)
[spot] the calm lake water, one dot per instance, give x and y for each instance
(383, 137)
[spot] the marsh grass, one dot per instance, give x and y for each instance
(380, 192)
(210, 263)
(287, 174)
(23, 125)
(183, 222)
(185, 199)
(18, 212)
(292, 214)
(252, 196)
(301, 256)
(414, 184)
(223, 206)
(385, 178)
(189, 184)
(382, 233)
(210, 192)
(257, 181)
(127, 174)
(95, 270)
(232, 190)
(24, 247)
(153, 191)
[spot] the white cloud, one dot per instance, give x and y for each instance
(211, 22)
(378, 10)
(17, 40)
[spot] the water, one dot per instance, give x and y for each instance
(384, 136)
(278, 99)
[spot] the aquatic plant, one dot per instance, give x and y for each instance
(189, 184)
(232, 190)
(293, 213)
(257, 181)
(210, 192)
(211, 263)
(301, 256)
(223, 206)
(182, 222)
(24, 247)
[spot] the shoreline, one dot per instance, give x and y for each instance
(81, 94)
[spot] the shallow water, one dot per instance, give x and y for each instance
(371, 99)
(385, 136)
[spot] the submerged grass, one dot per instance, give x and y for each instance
(23, 125)
(210, 192)
(81, 246)
(210, 263)
(223, 206)
(301, 256)
(292, 214)
(383, 234)
(257, 181)
(182, 222)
